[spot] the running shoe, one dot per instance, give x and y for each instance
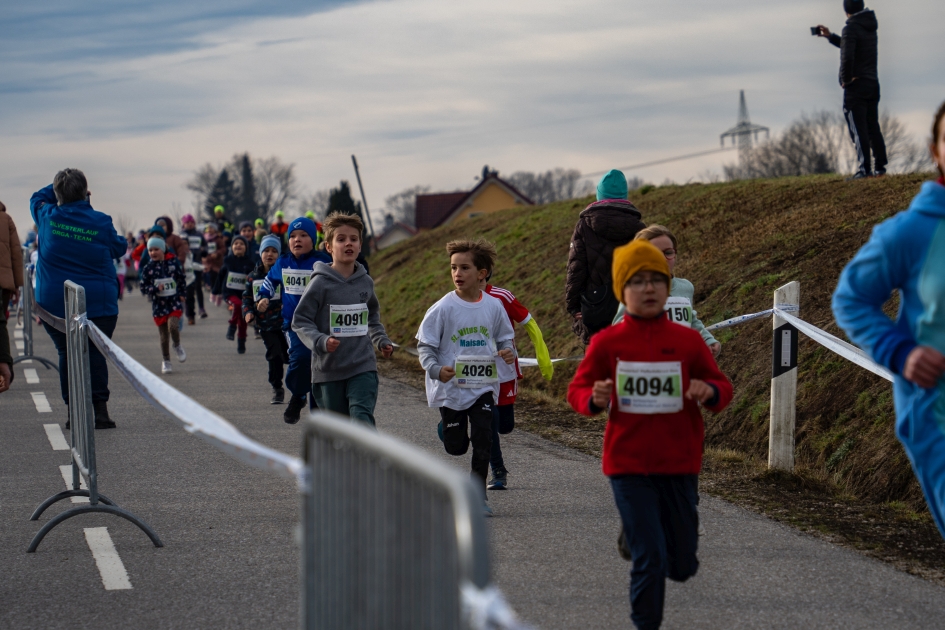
(858, 175)
(293, 410)
(191, 321)
(231, 332)
(499, 480)
(486, 510)
(181, 355)
(241, 345)
(439, 430)
(203, 314)
(166, 367)
(278, 396)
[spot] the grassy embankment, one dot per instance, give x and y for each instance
(738, 242)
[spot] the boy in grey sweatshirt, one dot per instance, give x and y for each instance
(339, 319)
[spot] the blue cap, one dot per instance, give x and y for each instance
(306, 225)
(271, 240)
(613, 185)
(155, 242)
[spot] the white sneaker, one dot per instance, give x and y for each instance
(181, 355)
(166, 367)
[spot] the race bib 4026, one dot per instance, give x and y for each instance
(349, 320)
(649, 388)
(475, 371)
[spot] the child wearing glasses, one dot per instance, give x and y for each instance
(679, 305)
(653, 440)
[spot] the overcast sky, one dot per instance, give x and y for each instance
(140, 94)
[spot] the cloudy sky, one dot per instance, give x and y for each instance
(140, 94)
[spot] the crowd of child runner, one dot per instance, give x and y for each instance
(303, 288)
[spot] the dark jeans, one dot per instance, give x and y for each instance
(503, 421)
(277, 354)
(661, 525)
(195, 291)
(98, 366)
(861, 110)
(298, 378)
(477, 421)
(355, 397)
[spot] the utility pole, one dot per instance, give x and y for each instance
(367, 213)
(743, 131)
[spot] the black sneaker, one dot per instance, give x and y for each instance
(231, 333)
(102, 421)
(858, 175)
(293, 410)
(203, 314)
(499, 480)
(241, 346)
(278, 396)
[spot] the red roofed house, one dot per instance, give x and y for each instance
(491, 194)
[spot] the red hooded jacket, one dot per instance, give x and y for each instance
(650, 444)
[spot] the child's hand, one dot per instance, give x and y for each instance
(507, 355)
(332, 344)
(387, 350)
(446, 373)
(229, 307)
(248, 318)
(699, 390)
(716, 348)
(602, 392)
(262, 305)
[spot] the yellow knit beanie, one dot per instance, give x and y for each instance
(633, 257)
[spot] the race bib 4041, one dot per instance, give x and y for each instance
(649, 388)
(679, 310)
(475, 371)
(349, 320)
(295, 280)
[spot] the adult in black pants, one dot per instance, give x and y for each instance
(859, 79)
(198, 249)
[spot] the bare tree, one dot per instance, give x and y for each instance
(554, 185)
(203, 180)
(402, 206)
(317, 202)
(273, 185)
(276, 185)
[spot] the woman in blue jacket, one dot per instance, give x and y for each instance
(907, 252)
(79, 244)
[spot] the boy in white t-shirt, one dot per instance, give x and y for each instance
(460, 339)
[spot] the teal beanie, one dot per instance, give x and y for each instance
(613, 185)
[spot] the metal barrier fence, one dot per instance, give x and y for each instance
(82, 422)
(392, 537)
(27, 304)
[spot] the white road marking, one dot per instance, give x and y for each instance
(42, 405)
(26, 360)
(31, 376)
(56, 439)
(19, 345)
(18, 334)
(67, 477)
(114, 576)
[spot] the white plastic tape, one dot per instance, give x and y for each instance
(844, 349)
(194, 417)
(486, 609)
(741, 319)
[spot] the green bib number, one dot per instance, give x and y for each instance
(349, 320)
(649, 388)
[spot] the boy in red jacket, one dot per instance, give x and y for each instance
(651, 374)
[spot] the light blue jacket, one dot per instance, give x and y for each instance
(905, 253)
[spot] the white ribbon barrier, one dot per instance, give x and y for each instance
(844, 349)
(486, 609)
(741, 319)
(194, 417)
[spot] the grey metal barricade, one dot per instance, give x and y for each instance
(27, 304)
(390, 535)
(82, 422)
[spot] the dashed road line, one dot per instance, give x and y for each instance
(42, 405)
(56, 439)
(114, 576)
(18, 333)
(67, 477)
(31, 376)
(19, 345)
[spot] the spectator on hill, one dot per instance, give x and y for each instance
(608, 223)
(859, 78)
(11, 279)
(77, 243)
(907, 253)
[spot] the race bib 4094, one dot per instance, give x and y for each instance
(649, 388)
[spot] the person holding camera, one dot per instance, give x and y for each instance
(859, 79)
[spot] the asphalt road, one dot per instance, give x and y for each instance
(230, 558)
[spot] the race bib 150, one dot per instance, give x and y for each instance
(349, 320)
(649, 388)
(475, 371)
(679, 310)
(295, 280)
(166, 287)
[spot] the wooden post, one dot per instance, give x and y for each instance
(783, 382)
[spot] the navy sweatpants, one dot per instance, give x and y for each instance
(661, 525)
(298, 378)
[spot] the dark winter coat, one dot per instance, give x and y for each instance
(272, 318)
(602, 227)
(235, 264)
(162, 306)
(859, 47)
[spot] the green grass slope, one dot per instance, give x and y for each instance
(738, 242)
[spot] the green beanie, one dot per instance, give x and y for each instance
(613, 185)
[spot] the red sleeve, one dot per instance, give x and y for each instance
(593, 367)
(706, 369)
(513, 308)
